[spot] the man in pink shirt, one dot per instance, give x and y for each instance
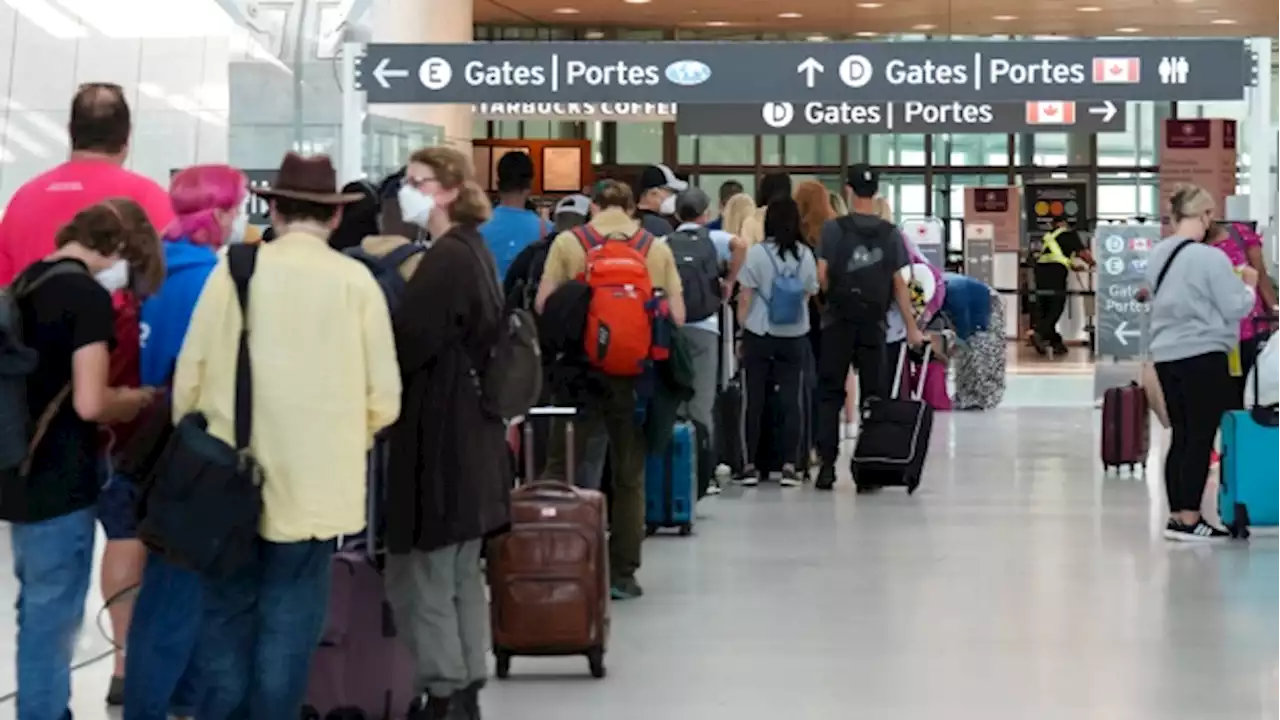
(99, 128)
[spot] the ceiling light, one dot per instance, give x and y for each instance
(1004, 18)
(594, 35)
(866, 33)
(1128, 30)
(565, 11)
(790, 15)
(870, 5)
(1089, 8)
(717, 23)
(1222, 21)
(817, 38)
(924, 26)
(636, 2)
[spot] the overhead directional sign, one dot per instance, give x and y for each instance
(852, 118)
(745, 72)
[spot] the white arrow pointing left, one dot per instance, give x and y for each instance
(1122, 332)
(382, 72)
(1107, 110)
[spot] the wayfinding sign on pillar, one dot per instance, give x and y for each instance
(1122, 266)
(802, 72)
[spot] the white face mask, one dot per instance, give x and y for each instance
(239, 227)
(668, 206)
(114, 278)
(415, 207)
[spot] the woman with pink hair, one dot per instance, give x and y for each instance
(207, 200)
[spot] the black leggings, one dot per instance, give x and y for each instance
(767, 361)
(1197, 390)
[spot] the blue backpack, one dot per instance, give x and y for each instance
(786, 298)
(386, 269)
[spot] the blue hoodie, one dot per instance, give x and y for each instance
(166, 314)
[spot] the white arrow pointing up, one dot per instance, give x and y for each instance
(1107, 110)
(810, 69)
(382, 72)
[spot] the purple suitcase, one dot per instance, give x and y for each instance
(362, 670)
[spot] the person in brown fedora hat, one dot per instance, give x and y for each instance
(326, 381)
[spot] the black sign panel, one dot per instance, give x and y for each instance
(752, 72)
(1046, 200)
(852, 118)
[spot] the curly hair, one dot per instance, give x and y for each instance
(119, 226)
(453, 171)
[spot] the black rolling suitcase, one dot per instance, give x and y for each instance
(893, 441)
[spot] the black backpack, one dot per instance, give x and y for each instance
(386, 269)
(860, 282)
(699, 268)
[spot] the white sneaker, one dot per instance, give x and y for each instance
(789, 478)
(750, 478)
(713, 488)
(724, 473)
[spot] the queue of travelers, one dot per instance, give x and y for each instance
(146, 308)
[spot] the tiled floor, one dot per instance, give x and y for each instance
(1020, 583)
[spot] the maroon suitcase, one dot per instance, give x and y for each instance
(1125, 427)
(363, 668)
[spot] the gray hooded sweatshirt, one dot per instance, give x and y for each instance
(1199, 306)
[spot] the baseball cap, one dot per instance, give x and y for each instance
(691, 203)
(578, 204)
(864, 181)
(660, 176)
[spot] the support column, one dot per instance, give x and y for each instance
(1076, 320)
(1261, 137)
(428, 21)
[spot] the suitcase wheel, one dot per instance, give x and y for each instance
(1239, 527)
(686, 530)
(502, 663)
(650, 530)
(595, 658)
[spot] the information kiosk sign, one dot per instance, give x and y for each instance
(1122, 266)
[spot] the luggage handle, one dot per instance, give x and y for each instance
(570, 459)
(902, 363)
(554, 486)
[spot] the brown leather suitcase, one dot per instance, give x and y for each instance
(549, 575)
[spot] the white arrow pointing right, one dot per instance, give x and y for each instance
(382, 72)
(810, 69)
(1107, 110)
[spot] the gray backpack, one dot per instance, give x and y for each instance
(19, 432)
(699, 266)
(512, 378)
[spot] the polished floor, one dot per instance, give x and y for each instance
(1020, 583)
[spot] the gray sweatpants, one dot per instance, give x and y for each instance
(440, 606)
(704, 351)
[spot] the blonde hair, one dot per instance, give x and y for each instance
(884, 209)
(1190, 201)
(453, 171)
(736, 211)
(838, 204)
(614, 194)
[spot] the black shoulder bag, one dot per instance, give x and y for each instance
(205, 499)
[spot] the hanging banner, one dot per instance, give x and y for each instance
(998, 206)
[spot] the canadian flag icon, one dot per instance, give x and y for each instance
(1051, 113)
(1117, 70)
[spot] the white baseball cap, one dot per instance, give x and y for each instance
(578, 204)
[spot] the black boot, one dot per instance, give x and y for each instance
(469, 700)
(435, 708)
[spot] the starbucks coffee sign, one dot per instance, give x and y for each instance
(571, 111)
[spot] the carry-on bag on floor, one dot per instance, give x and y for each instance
(1125, 424)
(893, 441)
(363, 668)
(1248, 490)
(549, 575)
(671, 482)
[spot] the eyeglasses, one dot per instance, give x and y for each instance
(417, 183)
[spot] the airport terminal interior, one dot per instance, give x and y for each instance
(1023, 580)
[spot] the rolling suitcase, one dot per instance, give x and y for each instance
(1125, 435)
(363, 668)
(671, 483)
(893, 441)
(549, 574)
(1248, 494)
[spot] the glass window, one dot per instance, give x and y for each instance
(812, 150)
(983, 149)
(771, 150)
(717, 149)
(639, 142)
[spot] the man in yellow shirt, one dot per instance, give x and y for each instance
(325, 380)
(612, 210)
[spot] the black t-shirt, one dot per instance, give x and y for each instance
(877, 242)
(64, 314)
(656, 223)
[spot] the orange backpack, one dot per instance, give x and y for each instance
(619, 331)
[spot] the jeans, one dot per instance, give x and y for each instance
(439, 597)
(769, 361)
(1197, 390)
(261, 626)
(843, 345)
(52, 560)
(615, 409)
(162, 675)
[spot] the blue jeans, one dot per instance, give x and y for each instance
(261, 626)
(52, 560)
(161, 671)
